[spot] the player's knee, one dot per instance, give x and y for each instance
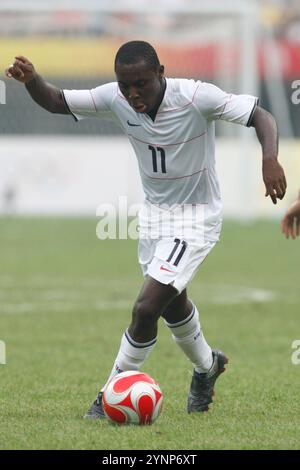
(144, 314)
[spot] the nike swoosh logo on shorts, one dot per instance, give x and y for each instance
(162, 268)
(133, 125)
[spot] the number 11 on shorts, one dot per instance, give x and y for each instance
(177, 246)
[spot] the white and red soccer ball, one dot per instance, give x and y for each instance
(132, 397)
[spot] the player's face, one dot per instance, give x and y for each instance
(141, 86)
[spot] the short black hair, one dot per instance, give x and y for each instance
(134, 51)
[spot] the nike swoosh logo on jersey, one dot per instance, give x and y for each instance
(133, 125)
(162, 268)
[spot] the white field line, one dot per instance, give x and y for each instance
(57, 307)
(67, 300)
(232, 295)
(45, 282)
(55, 286)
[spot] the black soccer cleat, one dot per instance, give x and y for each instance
(96, 411)
(202, 386)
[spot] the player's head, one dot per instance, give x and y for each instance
(140, 75)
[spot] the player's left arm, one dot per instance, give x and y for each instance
(267, 134)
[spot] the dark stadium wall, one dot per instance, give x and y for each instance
(23, 116)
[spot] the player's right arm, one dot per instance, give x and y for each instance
(44, 94)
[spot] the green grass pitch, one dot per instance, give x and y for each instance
(65, 300)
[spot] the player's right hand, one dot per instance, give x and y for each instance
(22, 70)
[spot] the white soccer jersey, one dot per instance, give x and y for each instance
(176, 152)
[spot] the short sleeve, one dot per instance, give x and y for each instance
(215, 104)
(91, 103)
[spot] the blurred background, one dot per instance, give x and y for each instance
(50, 164)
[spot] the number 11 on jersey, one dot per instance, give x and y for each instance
(155, 151)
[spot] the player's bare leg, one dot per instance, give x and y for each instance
(140, 338)
(152, 301)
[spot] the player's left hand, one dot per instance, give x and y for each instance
(274, 179)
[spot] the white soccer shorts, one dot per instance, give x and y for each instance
(173, 244)
(172, 261)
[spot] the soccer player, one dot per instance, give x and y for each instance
(170, 124)
(290, 224)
